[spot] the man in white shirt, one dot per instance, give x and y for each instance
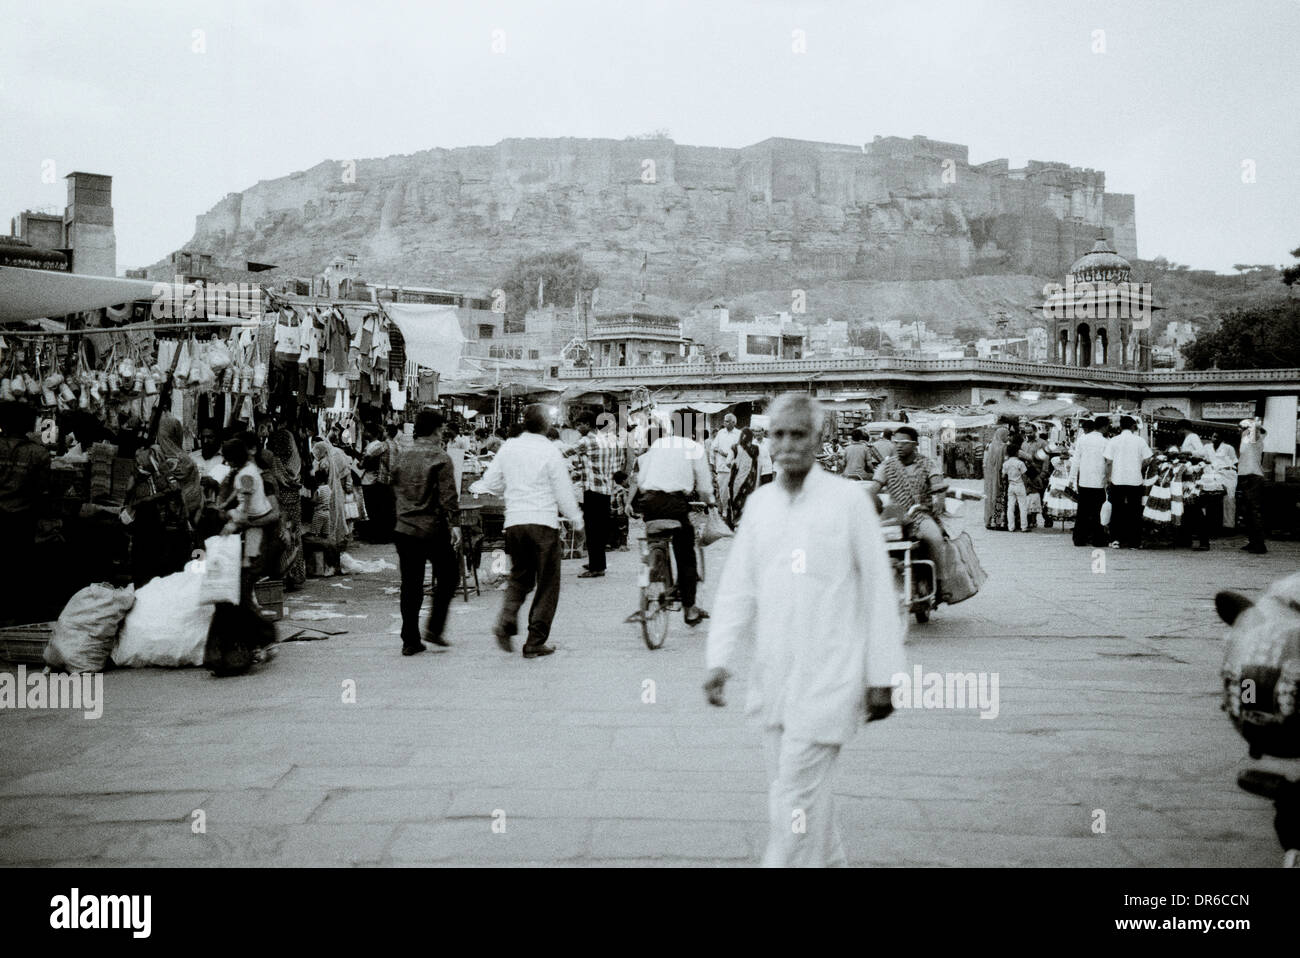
(534, 479)
(1223, 459)
(1250, 485)
(766, 471)
(808, 579)
(720, 451)
(1126, 454)
(1088, 476)
(669, 475)
(208, 456)
(1191, 442)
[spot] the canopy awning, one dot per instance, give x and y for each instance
(431, 333)
(34, 293)
(708, 408)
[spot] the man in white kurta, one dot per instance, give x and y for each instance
(808, 580)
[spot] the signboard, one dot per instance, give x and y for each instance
(1234, 411)
(1280, 423)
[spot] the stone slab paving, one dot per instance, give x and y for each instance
(1107, 703)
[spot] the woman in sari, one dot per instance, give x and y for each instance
(744, 475)
(334, 470)
(162, 505)
(286, 470)
(177, 465)
(995, 502)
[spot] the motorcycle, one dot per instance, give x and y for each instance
(914, 570)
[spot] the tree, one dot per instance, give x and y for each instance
(968, 332)
(739, 314)
(560, 276)
(1291, 274)
(1258, 337)
(864, 335)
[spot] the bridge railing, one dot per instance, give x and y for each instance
(905, 364)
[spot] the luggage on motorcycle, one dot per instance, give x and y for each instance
(965, 574)
(1261, 667)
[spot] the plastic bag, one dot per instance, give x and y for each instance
(1105, 513)
(218, 356)
(351, 565)
(201, 374)
(167, 626)
(714, 528)
(182, 374)
(221, 568)
(87, 628)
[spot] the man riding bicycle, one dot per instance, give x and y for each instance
(916, 484)
(672, 472)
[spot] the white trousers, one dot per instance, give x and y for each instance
(1230, 500)
(802, 832)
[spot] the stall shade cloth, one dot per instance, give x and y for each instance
(33, 293)
(708, 408)
(432, 334)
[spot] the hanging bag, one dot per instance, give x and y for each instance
(714, 528)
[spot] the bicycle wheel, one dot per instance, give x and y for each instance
(655, 602)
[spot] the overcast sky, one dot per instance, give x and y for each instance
(1183, 93)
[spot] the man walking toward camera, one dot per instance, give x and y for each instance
(808, 578)
(720, 453)
(530, 472)
(427, 507)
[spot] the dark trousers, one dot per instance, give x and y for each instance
(1196, 523)
(677, 505)
(1126, 515)
(1213, 513)
(534, 552)
(380, 512)
(1250, 514)
(595, 515)
(17, 545)
(412, 554)
(1087, 523)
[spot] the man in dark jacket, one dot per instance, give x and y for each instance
(427, 530)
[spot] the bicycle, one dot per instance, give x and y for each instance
(659, 594)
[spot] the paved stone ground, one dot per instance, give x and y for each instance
(1108, 702)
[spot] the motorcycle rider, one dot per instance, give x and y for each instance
(916, 483)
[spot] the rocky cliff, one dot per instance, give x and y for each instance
(705, 221)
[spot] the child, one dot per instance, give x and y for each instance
(1017, 498)
(618, 512)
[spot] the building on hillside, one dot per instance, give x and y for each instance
(1100, 317)
(762, 338)
(82, 240)
(636, 337)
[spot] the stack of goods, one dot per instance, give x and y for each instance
(1061, 501)
(1172, 482)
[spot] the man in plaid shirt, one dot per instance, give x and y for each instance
(599, 455)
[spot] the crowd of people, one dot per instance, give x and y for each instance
(1119, 491)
